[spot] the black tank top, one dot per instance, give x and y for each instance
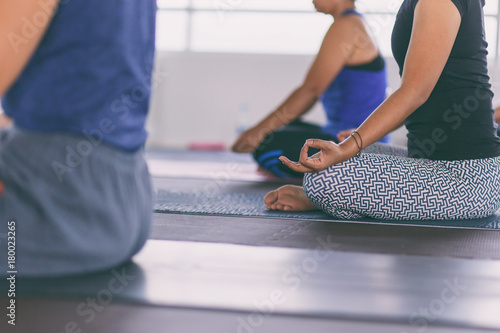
(456, 122)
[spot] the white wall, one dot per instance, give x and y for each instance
(200, 98)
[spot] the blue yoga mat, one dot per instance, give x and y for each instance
(252, 205)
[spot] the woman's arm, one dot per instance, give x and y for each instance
(24, 23)
(497, 114)
(4, 121)
(336, 50)
(435, 27)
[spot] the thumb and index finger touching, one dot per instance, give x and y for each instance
(304, 165)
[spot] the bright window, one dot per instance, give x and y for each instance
(274, 26)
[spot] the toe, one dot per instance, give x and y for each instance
(271, 197)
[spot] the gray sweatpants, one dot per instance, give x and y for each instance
(77, 205)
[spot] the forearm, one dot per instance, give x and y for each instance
(297, 104)
(16, 44)
(497, 114)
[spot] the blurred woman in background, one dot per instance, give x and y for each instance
(348, 76)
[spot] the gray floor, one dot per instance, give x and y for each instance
(348, 236)
(376, 290)
(57, 315)
(237, 274)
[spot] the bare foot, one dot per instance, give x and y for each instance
(288, 198)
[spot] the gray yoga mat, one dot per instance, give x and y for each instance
(252, 205)
(242, 204)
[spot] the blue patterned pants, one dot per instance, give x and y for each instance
(384, 183)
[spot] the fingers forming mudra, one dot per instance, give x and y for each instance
(317, 162)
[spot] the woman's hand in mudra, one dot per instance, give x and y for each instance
(330, 154)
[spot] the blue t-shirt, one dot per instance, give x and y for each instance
(91, 74)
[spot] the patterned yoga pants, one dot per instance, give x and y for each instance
(384, 183)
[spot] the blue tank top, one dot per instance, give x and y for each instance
(354, 94)
(91, 74)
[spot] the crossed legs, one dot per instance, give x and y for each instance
(396, 187)
(293, 198)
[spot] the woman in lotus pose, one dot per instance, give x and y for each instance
(349, 77)
(451, 167)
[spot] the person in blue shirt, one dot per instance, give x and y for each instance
(348, 76)
(76, 81)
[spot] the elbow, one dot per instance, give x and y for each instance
(3, 88)
(420, 99)
(5, 85)
(422, 96)
(416, 96)
(312, 91)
